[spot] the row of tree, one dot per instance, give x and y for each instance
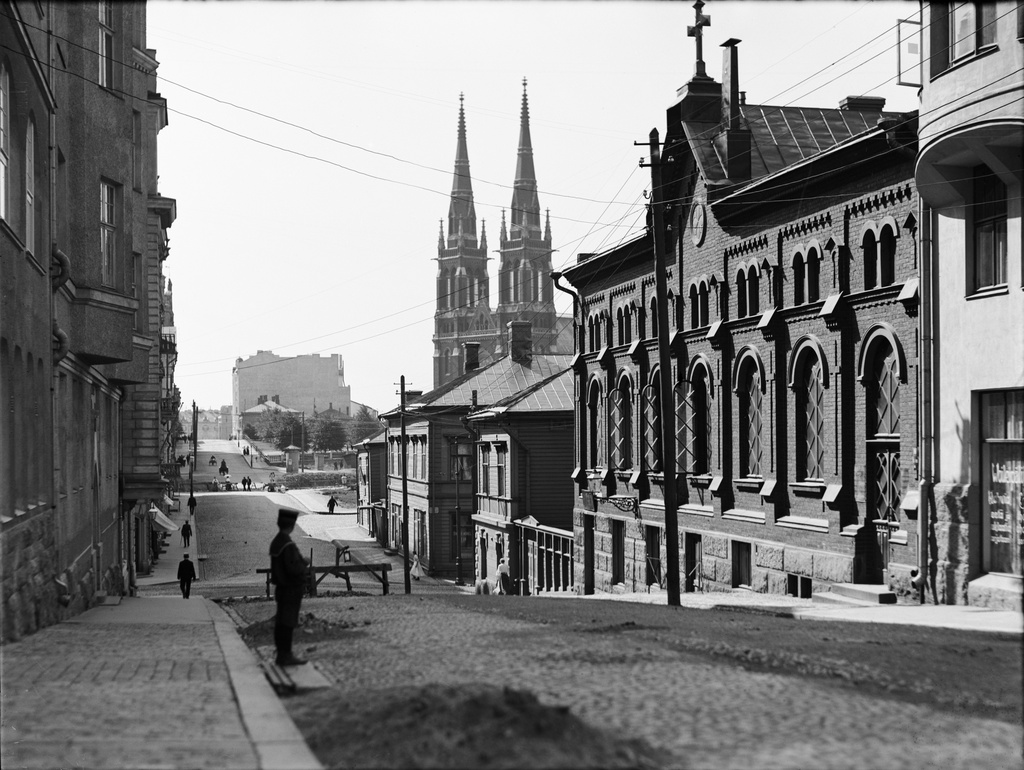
(319, 433)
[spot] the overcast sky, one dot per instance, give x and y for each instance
(311, 149)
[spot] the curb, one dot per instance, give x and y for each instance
(274, 736)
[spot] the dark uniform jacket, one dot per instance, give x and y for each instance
(186, 570)
(288, 572)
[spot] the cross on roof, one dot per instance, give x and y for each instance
(695, 32)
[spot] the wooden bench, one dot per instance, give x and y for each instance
(341, 570)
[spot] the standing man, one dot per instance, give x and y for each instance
(186, 534)
(186, 574)
(191, 505)
(288, 571)
(331, 504)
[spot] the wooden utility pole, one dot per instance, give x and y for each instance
(405, 491)
(668, 416)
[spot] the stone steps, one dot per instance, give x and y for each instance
(855, 594)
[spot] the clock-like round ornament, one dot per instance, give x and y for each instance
(698, 223)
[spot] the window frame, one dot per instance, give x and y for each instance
(108, 233)
(999, 247)
(30, 186)
(501, 469)
(751, 425)
(105, 44)
(485, 469)
(5, 142)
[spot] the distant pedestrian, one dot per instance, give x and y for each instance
(186, 533)
(288, 573)
(213, 460)
(223, 467)
(504, 579)
(248, 484)
(186, 574)
(191, 505)
(417, 570)
(331, 504)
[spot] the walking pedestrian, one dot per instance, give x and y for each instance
(504, 579)
(186, 574)
(288, 571)
(191, 505)
(186, 533)
(416, 571)
(331, 504)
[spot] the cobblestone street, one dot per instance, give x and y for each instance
(621, 668)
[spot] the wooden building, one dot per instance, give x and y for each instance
(792, 298)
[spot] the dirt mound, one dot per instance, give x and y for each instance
(450, 726)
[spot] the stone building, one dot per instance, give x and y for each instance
(972, 304)
(792, 274)
(83, 235)
(305, 383)
(463, 312)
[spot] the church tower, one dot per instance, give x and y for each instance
(525, 289)
(462, 312)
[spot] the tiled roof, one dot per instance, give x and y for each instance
(497, 381)
(782, 136)
(552, 394)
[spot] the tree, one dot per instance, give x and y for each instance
(290, 432)
(249, 431)
(364, 425)
(325, 434)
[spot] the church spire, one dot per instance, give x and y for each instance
(483, 235)
(525, 205)
(461, 212)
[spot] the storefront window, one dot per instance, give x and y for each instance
(1002, 461)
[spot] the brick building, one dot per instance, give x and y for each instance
(463, 313)
(792, 294)
(83, 237)
(972, 304)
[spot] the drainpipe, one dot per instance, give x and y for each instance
(926, 388)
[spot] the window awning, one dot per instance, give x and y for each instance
(162, 522)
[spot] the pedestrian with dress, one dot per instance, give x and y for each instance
(186, 533)
(288, 573)
(504, 579)
(331, 504)
(186, 574)
(416, 571)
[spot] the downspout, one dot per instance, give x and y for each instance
(926, 416)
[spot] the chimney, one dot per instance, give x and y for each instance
(520, 342)
(734, 139)
(276, 399)
(863, 103)
(261, 400)
(472, 355)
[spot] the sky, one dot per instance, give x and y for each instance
(311, 146)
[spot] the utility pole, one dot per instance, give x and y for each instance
(302, 434)
(458, 515)
(405, 491)
(668, 417)
(195, 449)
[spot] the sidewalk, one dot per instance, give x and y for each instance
(147, 682)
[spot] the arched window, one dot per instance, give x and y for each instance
(870, 260)
(595, 425)
(446, 365)
(528, 287)
(703, 303)
(741, 294)
(620, 326)
(750, 423)
(627, 318)
(30, 186)
(810, 411)
(883, 433)
(620, 410)
(654, 318)
(886, 270)
(813, 266)
(5, 142)
(694, 308)
(753, 291)
(462, 288)
(700, 422)
(799, 280)
(652, 423)
(590, 334)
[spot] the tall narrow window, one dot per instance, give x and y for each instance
(621, 409)
(595, 426)
(812, 270)
(137, 154)
(620, 323)
(753, 292)
(750, 425)
(700, 423)
(799, 280)
(883, 452)
(501, 457)
(618, 551)
(704, 305)
(870, 260)
(105, 46)
(485, 469)
(108, 232)
(652, 424)
(811, 426)
(1002, 461)
(684, 412)
(741, 294)
(30, 187)
(989, 229)
(5, 141)
(971, 26)
(654, 318)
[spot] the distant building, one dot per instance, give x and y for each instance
(464, 314)
(306, 383)
(972, 305)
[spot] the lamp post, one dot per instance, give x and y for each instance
(195, 449)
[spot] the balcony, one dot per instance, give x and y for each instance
(101, 326)
(168, 345)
